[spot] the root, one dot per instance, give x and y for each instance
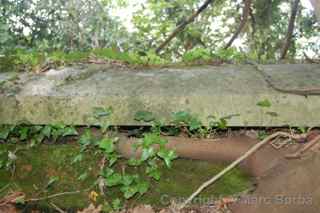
(305, 148)
(234, 164)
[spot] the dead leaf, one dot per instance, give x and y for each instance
(93, 196)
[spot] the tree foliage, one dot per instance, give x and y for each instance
(66, 25)
(256, 29)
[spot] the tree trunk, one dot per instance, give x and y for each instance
(292, 20)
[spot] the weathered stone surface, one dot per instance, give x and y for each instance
(71, 94)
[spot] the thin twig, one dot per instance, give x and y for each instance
(183, 25)
(57, 208)
(53, 196)
(234, 164)
(308, 59)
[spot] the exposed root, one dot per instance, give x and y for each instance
(305, 148)
(234, 164)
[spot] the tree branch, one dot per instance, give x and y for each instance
(253, 22)
(183, 25)
(292, 20)
(245, 14)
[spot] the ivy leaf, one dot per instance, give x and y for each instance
(112, 158)
(107, 145)
(23, 132)
(154, 172)
(113, 180)
(20, 200)
(5, 131)
(134, 162)
(148, 140)
(144, 116)
(59, 126)
(151, 139)
(127, 180)
(195, 124)
(129, 191)
(69, 131)
(55, 134)
(142, 187)
(264, 103)
(107, 172)
(222, 123)
(167, 156)
(51, 181)
(181, 117)
(86, 138)
(147, 153)
(38, 138)
(116, 204)
(46, 131)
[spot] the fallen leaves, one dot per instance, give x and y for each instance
(93, 196)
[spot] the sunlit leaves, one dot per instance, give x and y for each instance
(113, 179)
(168, 156)
(107, 145)
(5, 131)
(264, 103)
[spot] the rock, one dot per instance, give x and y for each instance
(71, 95)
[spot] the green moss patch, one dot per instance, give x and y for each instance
(48, 169)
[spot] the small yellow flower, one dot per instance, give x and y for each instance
(93, 196)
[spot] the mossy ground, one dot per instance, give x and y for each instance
(35, 167)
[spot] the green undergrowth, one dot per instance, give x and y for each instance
(38, 61)
(44, 160)
(49, 169)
